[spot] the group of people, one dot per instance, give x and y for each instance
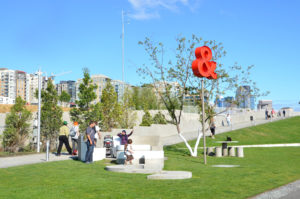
(92, 134)
(272, 113)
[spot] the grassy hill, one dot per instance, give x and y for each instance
(261, 169)
(282, 131)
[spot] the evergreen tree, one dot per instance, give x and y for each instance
(128, 118)
(64, 97)
(136, 98)
(147, 119)
(159, 118)
(16, 126)
(148, 98)
(51, 114)
(110, 108)
(86, 111)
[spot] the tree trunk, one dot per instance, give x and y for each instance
(195, 152)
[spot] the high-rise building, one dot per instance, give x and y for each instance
(225, 102)
(173, 86)
(8, 83)
(33, 87)
(244, 97)
(14, 83)
(101, 80)
(22, 86)
(69, 87)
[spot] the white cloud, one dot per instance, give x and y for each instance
(147, 9)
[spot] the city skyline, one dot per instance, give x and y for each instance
(70, 35)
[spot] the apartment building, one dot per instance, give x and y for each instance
(8, 84)
(101, 80)
(22, 85)
(67, 86)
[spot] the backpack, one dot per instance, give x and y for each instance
(72, 132)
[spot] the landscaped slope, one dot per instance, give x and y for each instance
(261, 169)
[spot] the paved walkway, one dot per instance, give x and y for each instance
(289, 191)
(260, 145)
(169, 140)
(30, 159)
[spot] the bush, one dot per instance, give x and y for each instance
(16, 127)
(147, 119)
(159, 118)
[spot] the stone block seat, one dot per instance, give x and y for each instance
(147, 151)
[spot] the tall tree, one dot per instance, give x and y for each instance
(148, 98)
(51, 114)
(16, 126)
(86, 111)
(178, 70)
(129, 116)
(64, 97)
(110, 108)
(136, 98)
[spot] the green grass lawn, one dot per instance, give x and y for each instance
(282, 131)
(261, 169)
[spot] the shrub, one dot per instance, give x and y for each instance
(147, 119)
(159, 118)
(16, 127)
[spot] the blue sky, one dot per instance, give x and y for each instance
(68, 35)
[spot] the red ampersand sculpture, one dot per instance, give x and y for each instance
(202, 66)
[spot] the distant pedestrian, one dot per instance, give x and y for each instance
(283, 113)
(267, 114)
(212, 127)
(228, 119)
(63, 138)
(90, 134)
(273, 113)
(97, 135)
(128, 152)
(278, 114)
(124, 137)
(74, 134)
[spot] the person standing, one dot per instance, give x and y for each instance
(228, 119)
(74, 134)
(267, 114)
(283, 113)
(97, 135)
(63, 138)
(90, 134)
(212, 127)
(273, 113)
(124, 137)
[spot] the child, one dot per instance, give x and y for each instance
(128, 152)
(124, 137)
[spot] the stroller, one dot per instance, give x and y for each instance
(108, 144)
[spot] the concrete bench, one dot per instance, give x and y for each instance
(151, 156)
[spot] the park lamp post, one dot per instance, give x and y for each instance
(123, 13)
(39, 109)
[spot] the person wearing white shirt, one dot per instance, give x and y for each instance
(228, 119)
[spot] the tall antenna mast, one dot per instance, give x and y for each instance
(123, 45)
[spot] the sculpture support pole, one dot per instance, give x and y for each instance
(203, 122)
